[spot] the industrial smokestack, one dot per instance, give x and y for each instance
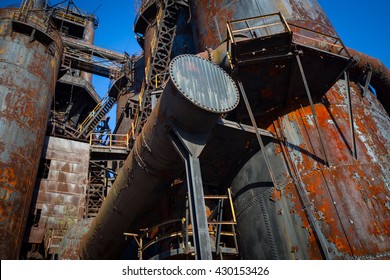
(193, 100)
(37, 4)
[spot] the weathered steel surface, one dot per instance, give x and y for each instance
(350, 199)
(28, 73)
(210, 17)
(70, 244)
(153, 163)
(61, 195)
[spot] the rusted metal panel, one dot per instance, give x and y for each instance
(349, 200)
(351, 195)
(28, 72)
(61, 187)
(36, 235)
(61, 196)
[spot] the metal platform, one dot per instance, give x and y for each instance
(263, 51)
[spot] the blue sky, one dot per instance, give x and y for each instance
(361, 24)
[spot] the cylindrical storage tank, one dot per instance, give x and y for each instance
(326, 202)
(209, 17)
(336, 212)
(196, 95)
(28, 72)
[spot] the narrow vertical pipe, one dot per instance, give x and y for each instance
(89, 37)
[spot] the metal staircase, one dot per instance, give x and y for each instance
(156, 70)
(95, 117)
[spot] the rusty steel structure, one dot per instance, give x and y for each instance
(245, 129)
(30, 56)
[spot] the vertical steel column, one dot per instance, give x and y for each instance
(351, 124)
(189, 152)
(219, 228)
(261, 143)
(311, 104)
(368, 80)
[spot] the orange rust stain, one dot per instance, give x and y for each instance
(375, 230)
(276, 195)
(8, 178)
(312, 243)
(278, 149)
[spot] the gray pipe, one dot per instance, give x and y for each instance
(194, 99)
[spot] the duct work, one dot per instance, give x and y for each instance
(194, 99)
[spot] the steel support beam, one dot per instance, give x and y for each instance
(351, 123)
(311, 105)
(258, 135)
(189, 151)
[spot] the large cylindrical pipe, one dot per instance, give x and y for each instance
(28, 74)
(380, 79)
(195, 97)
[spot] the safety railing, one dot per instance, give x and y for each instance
(93, 113)
(318, 39)
(257, 27)
(70, 17)
(36, 18)
(184, 232)
(273, 24)
(142, 5)
(109, 140)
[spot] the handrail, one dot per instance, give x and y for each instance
(337, 43)
(330, 40)
(70, 17)
(142, 5)
(187, 230)
(93, 112)
(113, 141)
(278, 17)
